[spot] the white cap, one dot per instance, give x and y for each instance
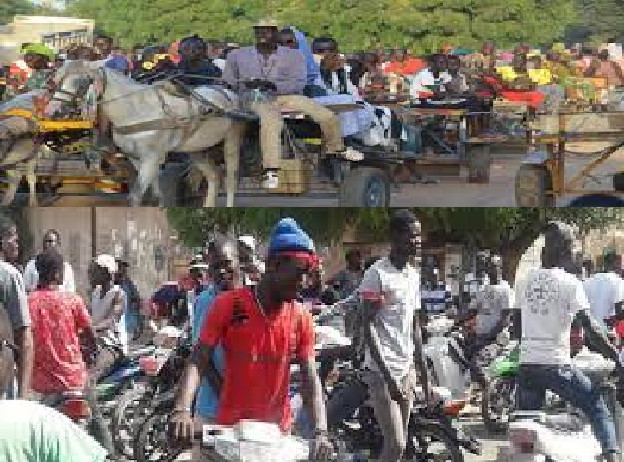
(249, 241)
(108, 262)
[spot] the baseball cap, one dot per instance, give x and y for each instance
(108, 262)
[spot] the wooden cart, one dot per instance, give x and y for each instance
(541, 178)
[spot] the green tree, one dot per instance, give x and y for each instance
(10, 8)
(422, 25)
(597, 21)
(507, 230)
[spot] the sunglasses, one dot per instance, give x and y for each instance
(288, 42)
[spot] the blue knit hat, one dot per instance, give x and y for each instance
(288, 236)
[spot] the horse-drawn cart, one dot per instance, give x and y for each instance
(61, 158)
(595, 137)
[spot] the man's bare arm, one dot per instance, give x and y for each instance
(597, 337)
(312, 394)
(25, 344)
(419, 358)
(200, 365)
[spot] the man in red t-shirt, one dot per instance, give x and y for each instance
(59, 319)
(261, 331)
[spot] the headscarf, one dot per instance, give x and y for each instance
(39, 49)
(313, 69)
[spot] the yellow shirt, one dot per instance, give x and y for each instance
(537, 76)
(540, 76)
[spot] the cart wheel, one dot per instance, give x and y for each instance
(618, 182)
(532, 182)
(479, 163)
(365, 187)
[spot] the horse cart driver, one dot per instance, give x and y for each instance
(270, 78)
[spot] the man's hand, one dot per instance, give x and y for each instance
(258, 84)
(181, 427)
(430, 399)
(321, 448)
(396, 393)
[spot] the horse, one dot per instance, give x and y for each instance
(17, 149)
(151, 121)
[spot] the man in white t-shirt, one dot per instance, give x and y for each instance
(51, 239)
(391, 302)
(605, 291)
(432, 80)
(492, 305)
(549, 300)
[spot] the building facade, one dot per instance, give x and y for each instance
(55, 32)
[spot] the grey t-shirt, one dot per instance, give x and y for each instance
(491, 301)
(400, 289)
(13, 295)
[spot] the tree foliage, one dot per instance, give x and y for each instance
(487, 227)
(597, 21)
(509, 231)
(10, 8)
(422, 25)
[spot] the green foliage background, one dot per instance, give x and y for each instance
(422, 25)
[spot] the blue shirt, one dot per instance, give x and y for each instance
(207, 401)
(313, 69)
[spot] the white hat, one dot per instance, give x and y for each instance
(249, 241)
(108, 262)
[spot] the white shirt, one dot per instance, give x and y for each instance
(604, 291)
(400, 289)
(107, 322)
(31, 277)
(490, 302)
(422, 82)
(549, 300)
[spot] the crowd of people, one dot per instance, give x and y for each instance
(284, 69)
(250, 317)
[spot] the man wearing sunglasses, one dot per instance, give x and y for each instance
(261, 331)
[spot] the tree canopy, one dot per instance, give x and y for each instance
(9, 8)
(422, 25)
(509, 231)
(487, 227)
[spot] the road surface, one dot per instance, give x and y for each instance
(445, 192)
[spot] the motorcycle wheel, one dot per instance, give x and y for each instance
(152, 442)
(497, 402)
(431, 443)
(131, 409)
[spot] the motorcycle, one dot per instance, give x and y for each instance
(431, 435)
(144, 414)
(565, 435)
(499, 397)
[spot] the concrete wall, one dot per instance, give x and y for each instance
(142, 236)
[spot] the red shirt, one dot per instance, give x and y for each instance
(56, 318)
(258, 351)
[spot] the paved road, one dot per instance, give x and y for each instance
(447, 192)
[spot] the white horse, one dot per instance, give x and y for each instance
(18, 151)
(148, 122)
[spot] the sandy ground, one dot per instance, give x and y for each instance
(446, 192)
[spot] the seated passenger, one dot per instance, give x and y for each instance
(458, 84)
(292, 38)
(271, 76)
(431, 82)
(194, 62)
